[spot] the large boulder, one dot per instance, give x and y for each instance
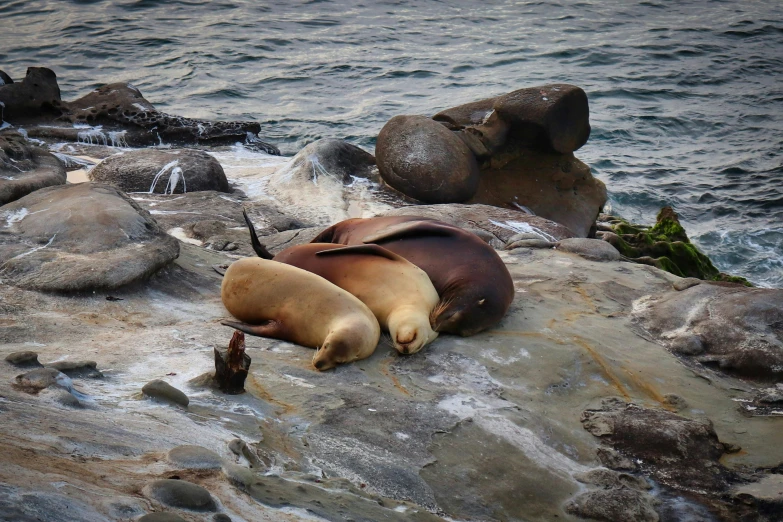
(424, 160)
(116, 114)
(335, 158)
(555, 116)
(174, 171)
(554, 186)
(80, 237)
(25, 168)
(737, 329)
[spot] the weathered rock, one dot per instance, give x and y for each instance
(23, 359)
(221, 517)
(679, 452)
(37, 380)
(766, 495)
(181, 494)
(115, 114)
(664, 245)
(614, 505)
(232, 365)
(422, 159)
(592, 249)
(60, 396)
(25, 168)
(194, 457)
(554, 186)
(162, 516)
(5, 79)
(771, 395)
(80, 237)
(503, 224)
(77, 368)
(555, 116)
(162, 390)
(334, 158)
(738, 329)
(172, 171)
(36, 95)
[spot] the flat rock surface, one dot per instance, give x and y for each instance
(485, 427)
(80, 237)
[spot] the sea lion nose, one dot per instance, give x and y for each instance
(319, 365)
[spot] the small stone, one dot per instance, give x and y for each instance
(530, 243)
(194, 457)
(161, 517)
(37, 380)
(684, 284)
(687, 345)
(230, 247)
(77, 368)
(236, 445)
(592, 249)
(158, 389)
(221, 517)
(23, 359)
(61, 397)
(675, 401)
(181, 494)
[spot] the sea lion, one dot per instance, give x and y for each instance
(474, 285)
(400, 294)
(281, 301)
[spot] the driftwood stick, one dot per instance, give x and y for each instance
(232, 364)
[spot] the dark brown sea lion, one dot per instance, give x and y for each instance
(398, 292)
(474, 285)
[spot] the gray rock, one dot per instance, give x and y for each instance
(161, 516)
(80, 237)
(77, 368)
(614, 505)
(735, 328)
(767, 493)
(61, 397)
(221, 517)
(771, 395)
(424, 160)
(592, 249)
(23, 359)
(42, 378)
(181, 494)
(37, 94)
(162, 390)
(194, 457)
(530, 243)
(172, 171)
(334, 158)
(25, 168)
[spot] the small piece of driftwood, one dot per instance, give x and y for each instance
(232, 364)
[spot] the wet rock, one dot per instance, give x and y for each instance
(61, 397)
(679, 452)
(36, 95)
(771, 395)
(181, 494)
(162, 390)
(25, 168)
(665, 246)
(115, 114)
(23, 359)
(77, 368)
(501, 223)
(766, 495)
(221, 517)
(194, 457)
(552, 116)
(80, 237)
(161, 516)
(206, 229)
(5, 79)
(172, 171)
(334, 158)
(530, 243)
(553, 186)
(614, 505)
(37, 380)
(422, 159)
(592, 249)
(736, 329)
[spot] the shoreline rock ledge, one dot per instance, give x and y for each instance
(512, 151)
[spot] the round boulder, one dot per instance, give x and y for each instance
(335, 158)
(175, 171)
(424, 160)
(194, 457)
(80, 237)
(25, 168)
(181, 494)
(164, 391)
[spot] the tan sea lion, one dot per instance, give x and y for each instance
(474, 284)
(399, 294)
(272, 299)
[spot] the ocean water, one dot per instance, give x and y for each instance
(686, 98)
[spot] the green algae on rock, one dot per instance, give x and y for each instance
(665, 245)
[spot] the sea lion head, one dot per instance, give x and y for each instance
(410, 330)
(450, 314)
(353, 339)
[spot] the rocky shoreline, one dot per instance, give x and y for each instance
(630, 380)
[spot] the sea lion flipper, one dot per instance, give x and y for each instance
(259, 249)
(410, 229)
(268, 329)
(371, 250)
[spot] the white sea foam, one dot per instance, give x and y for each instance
(522, 227)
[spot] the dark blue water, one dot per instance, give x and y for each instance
(686, 98)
